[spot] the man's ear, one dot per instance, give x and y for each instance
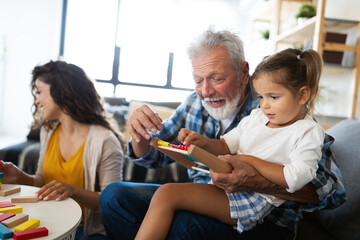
(245, 73)
(304, 95)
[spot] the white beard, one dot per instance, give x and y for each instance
(223, 112)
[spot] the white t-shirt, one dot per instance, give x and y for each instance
(297, 146)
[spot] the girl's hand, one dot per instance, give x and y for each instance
(55, 189)
(187, 137)
(11, 172)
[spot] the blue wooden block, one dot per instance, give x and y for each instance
(5, 233)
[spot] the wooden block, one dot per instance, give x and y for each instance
(30, 224)
(4, 203)
(28, 199)
(5, 232)
(14, 209)
(206, 158)
(16, 220)
(9, 191)
(174, 154)
(30, 234)
(10, 204)
(210, 160)
(1, 178)
(5, 216)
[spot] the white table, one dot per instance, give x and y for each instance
(61, 218)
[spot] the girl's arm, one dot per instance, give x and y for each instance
(214, 146)
(274, 172)
(245, 178)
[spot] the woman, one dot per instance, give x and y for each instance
(81, 150)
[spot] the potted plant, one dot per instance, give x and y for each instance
(306, 11)
(265, 34)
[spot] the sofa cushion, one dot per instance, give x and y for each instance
(343, 222)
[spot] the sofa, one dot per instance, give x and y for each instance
(343, 222)
(337, 224)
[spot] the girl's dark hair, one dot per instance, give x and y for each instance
(75, 94)
(294, 69)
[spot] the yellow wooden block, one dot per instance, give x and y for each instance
(30, 224)
(14, 209)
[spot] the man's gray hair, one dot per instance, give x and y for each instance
(211, 38)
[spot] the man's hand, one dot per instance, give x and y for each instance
(243, 177)
(143, 119)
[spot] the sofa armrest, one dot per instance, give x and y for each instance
(343, 222)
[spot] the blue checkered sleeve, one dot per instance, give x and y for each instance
(190, 115)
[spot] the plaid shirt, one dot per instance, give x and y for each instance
(191, 114)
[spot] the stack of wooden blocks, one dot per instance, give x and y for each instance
(12, 215)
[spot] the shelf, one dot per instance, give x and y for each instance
(313, 31)
(306, 30)
(298, 33)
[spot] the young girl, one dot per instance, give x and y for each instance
(81, 151)
(281, 137)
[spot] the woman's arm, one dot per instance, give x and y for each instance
(61, 191)
(13, 174)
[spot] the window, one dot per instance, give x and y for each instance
(127, 45)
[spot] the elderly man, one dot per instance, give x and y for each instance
(222, 98)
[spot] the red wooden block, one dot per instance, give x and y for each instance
(10, 204)
(30, 234)
(6, 216)
(4, 203)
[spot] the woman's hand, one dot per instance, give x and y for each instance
(12, 173)
(56, 189)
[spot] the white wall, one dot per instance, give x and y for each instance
(345, 9)
(30, 31)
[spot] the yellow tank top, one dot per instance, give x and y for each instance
(70, 171)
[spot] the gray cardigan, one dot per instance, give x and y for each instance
(103, 162)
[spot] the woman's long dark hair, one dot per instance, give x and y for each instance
(75, 94)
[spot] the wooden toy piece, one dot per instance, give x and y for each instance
(5, 216)
(30, 224)
(28, 199)
(210, 160)
(8, 204)
(9, 191)
(4, 203)
(5, 232)
(194, 153)
(173, 153)
(30, 234)
(14, 209)
(1, 177)
(16, 220)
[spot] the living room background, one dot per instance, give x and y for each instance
(30, 35)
